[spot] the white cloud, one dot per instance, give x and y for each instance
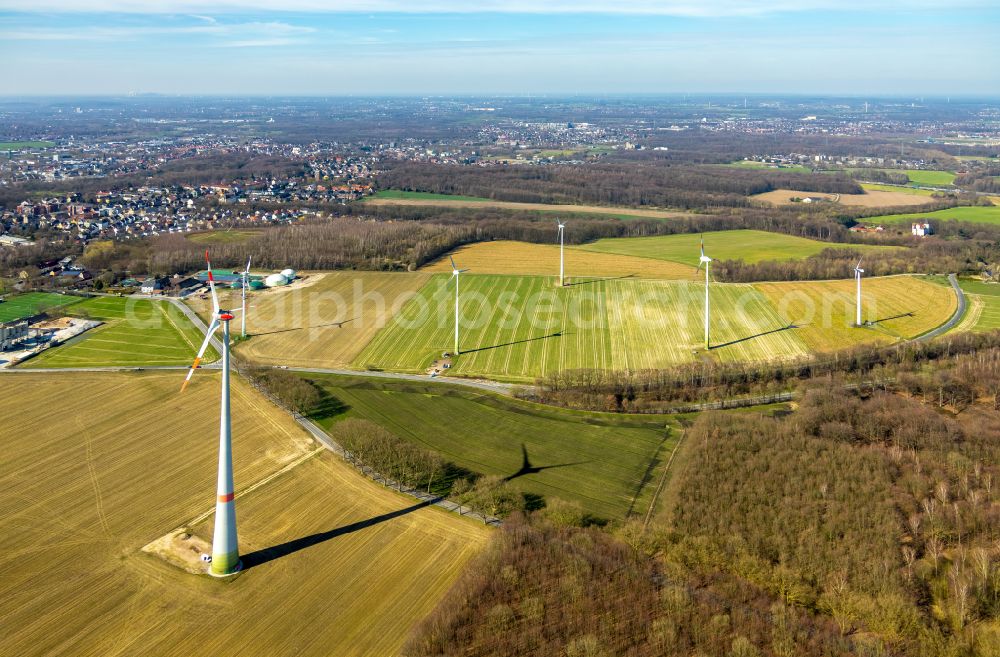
(692, 8)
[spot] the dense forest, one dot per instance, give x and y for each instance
(863, 522)
(633, 184)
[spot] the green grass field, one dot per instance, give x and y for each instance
(975, 214)
(599, 460)
(18, 145)
(222, 236)
(136, 332)
(870, 187)
(753, 164)
(929, 178)
(520, 327)
(748, 245)
(32, 303)
(397, 194)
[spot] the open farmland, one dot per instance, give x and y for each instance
(986, 214)
(983, 313)
(135, 332)
(32, 303)
(507, 257)
(870, 199)
(923, 177)
(747, 245)
(456, 202)
(396, 194)
(336, 565)
(521, 327)
(322, 321)
(874, 187)
(599, 460)
(824, 311)
(222, 236)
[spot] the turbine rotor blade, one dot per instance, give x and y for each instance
(201, 352)
(211, 285)
(247, 271)
(454, 268)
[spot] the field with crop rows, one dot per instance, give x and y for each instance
(32, 303)
(135, 332)
(987, 214)
(748, 245)
(337, 564)
(598, 460)
(824, 311)
(521, 327)
(506, 257)
(321, 321)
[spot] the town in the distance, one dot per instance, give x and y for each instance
(429, 330)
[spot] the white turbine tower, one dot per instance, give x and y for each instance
(455, 272)
(562, 229)
(243, 314)
(857, 279)
(705, 260)
(225, 548)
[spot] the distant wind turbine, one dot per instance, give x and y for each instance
(562, 230)
(243, 314)
(225, 547)
(456, 272)
(857, 279)
(705, 260)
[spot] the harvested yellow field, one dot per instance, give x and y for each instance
(536, 207)
(870, 199)
(523, 258)
(898, 307)
(323, 321)
(337, 565)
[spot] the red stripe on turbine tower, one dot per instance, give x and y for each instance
(228, 497)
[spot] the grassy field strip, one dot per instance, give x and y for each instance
(596, 460)
(446, 200)
(90, 480)
(824, 310)
(747, 245)
(989, 214)
(874, 187)
(136, 332)
(581, 263)
(32, 303)
(323, 323)
(973, 313)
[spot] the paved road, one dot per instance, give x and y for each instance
(955, 318)
(482, 384)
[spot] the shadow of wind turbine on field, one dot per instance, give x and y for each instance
(527, 468)
(308, 328)
(557, 334)
(754, 337)
(591, 281)
(260, 557)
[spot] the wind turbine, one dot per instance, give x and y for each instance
(455, 272)
(705, 260)
(225, 548)
(562, 228)
(243, 315)
(857, 279)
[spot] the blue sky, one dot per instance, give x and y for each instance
(331, 47)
